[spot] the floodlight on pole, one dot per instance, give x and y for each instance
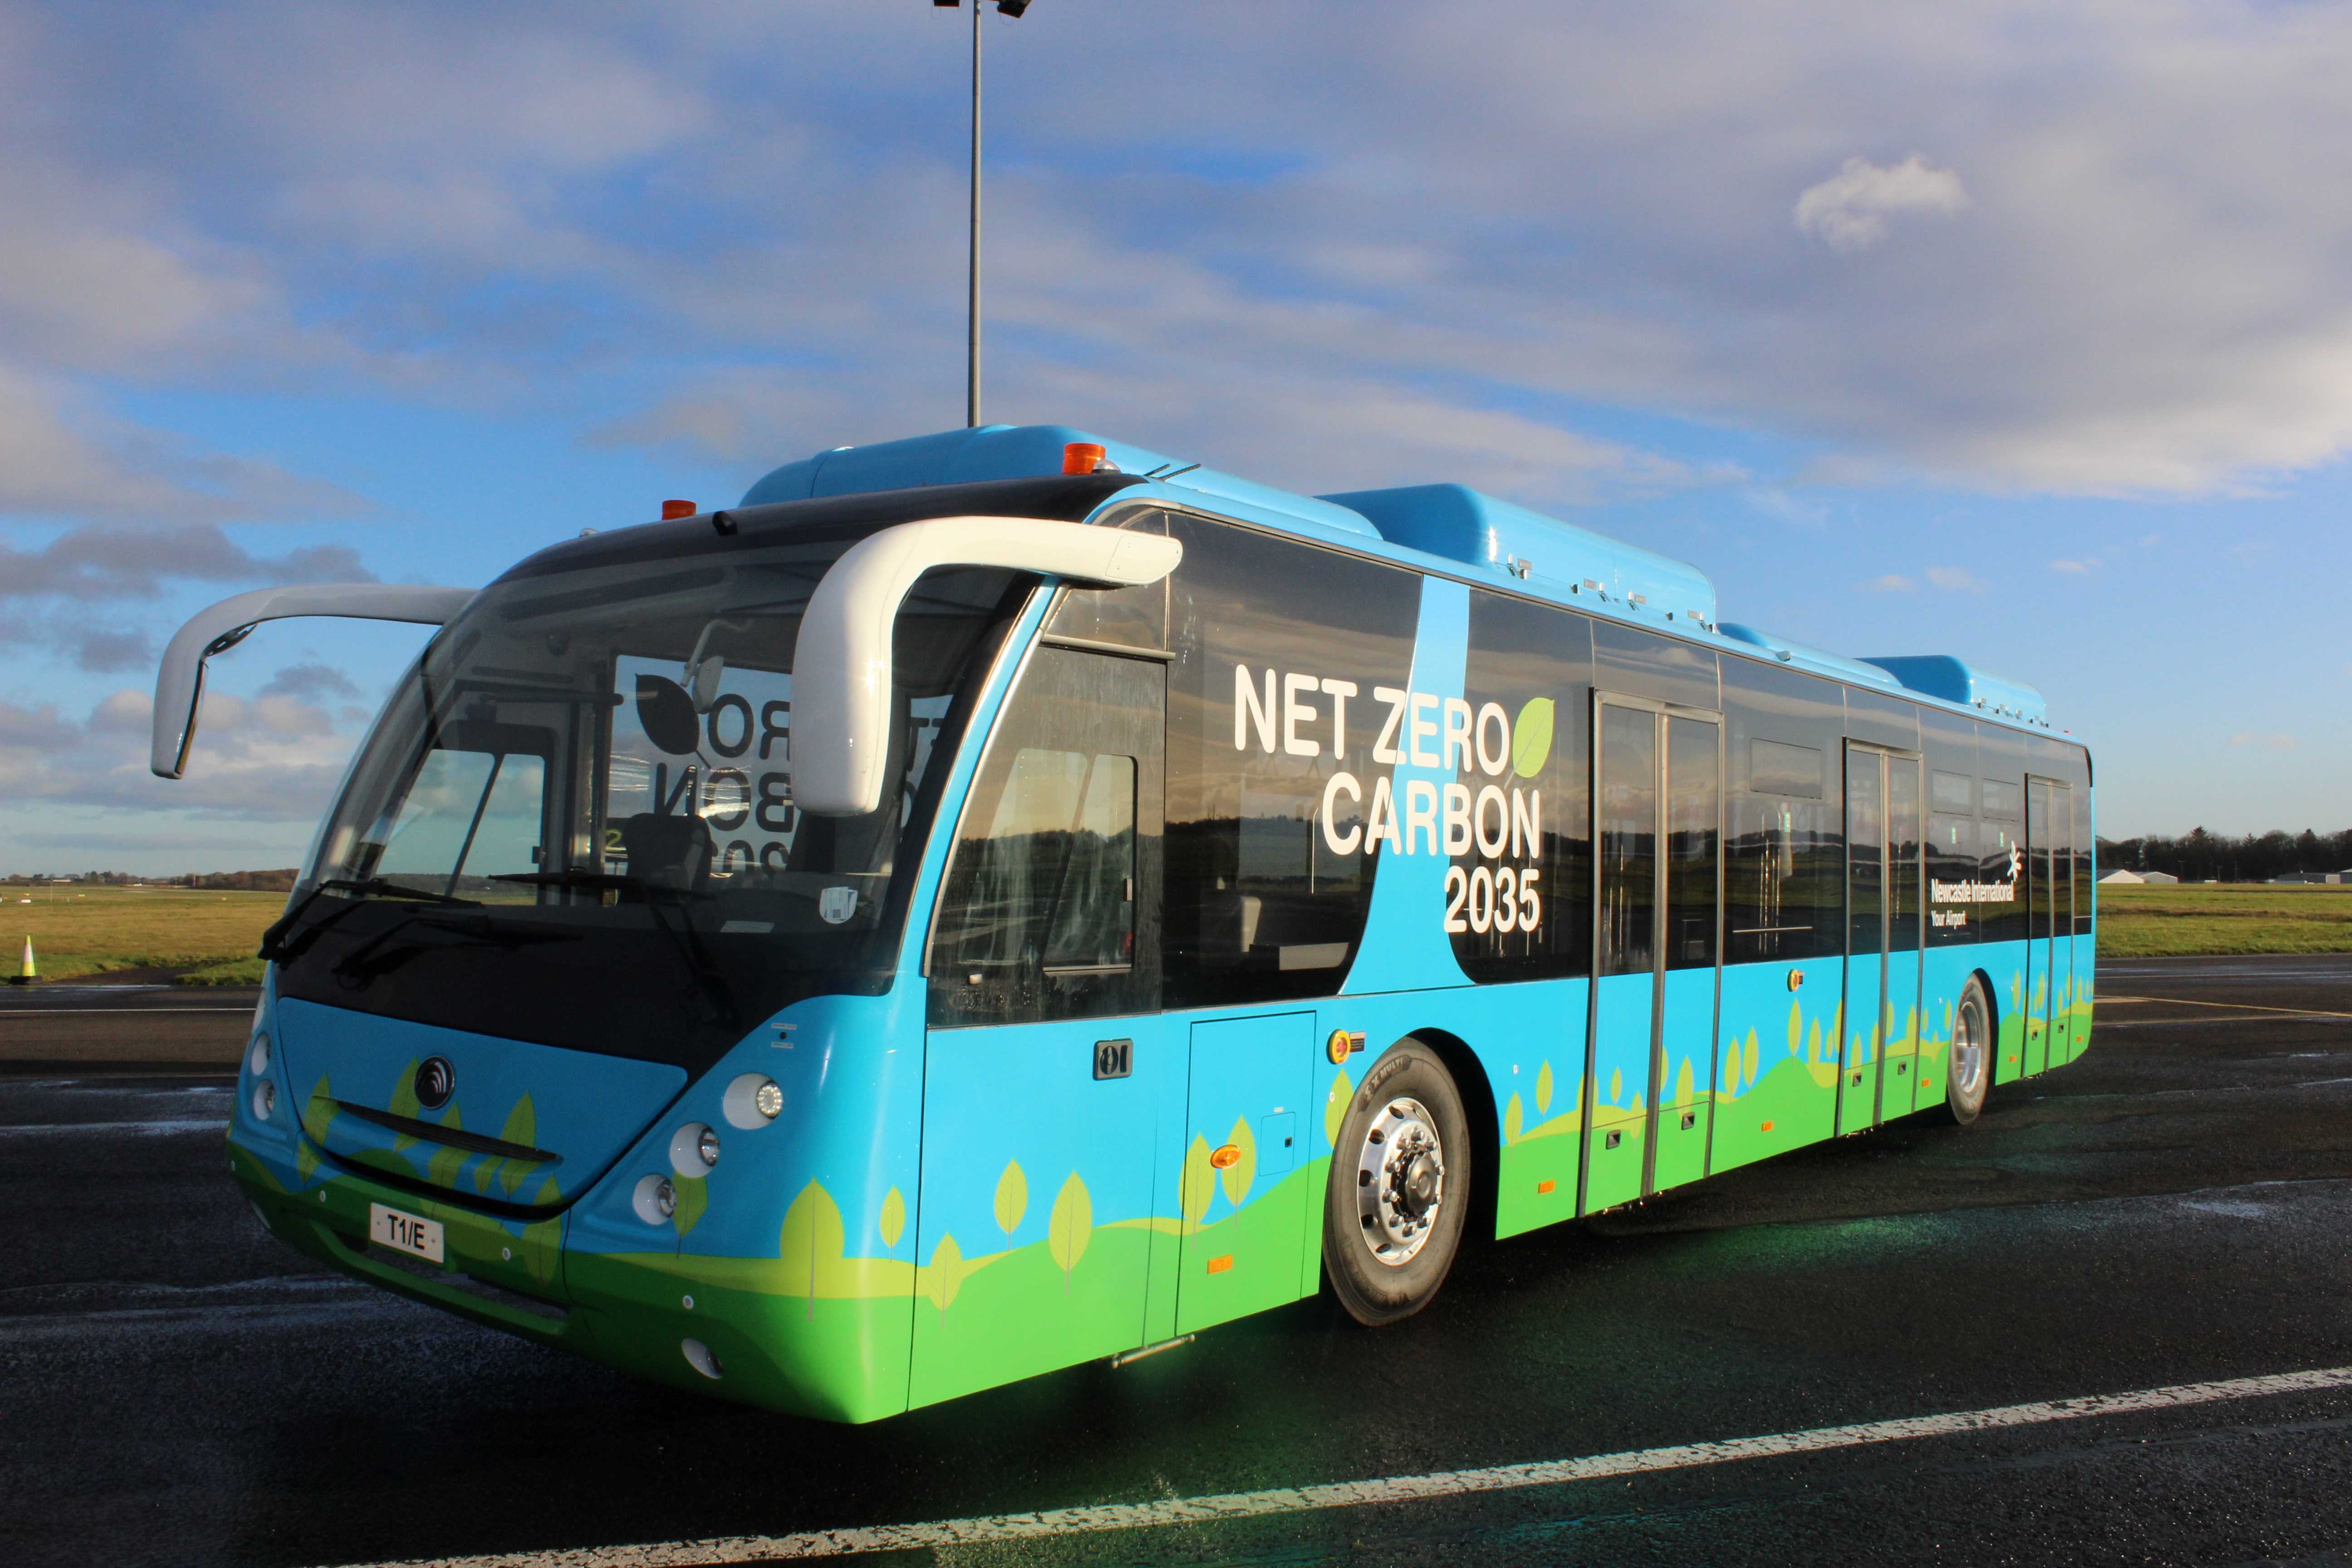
(1013, 8)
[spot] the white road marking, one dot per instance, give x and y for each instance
(1228, 1505)
(134, 1128)
(99, 1012)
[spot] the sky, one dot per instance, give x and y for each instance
(2021, 332)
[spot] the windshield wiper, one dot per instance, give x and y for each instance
(684, 941)
(277, 950)
(417, 932)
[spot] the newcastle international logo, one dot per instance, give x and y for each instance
(1979, 892)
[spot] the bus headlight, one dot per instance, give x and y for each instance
(258, 1057)
(752, 1101)
(693, 1149)
(264, 1100)
(654, 1200)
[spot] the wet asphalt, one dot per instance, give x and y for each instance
(2177, 1206)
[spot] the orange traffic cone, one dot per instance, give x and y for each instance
(26, 978)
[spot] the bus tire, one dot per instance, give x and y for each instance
(1400, 1187)
(1968, 1071)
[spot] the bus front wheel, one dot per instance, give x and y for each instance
(1400, 1187)
(1968, 1074)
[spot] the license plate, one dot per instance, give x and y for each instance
(406, 1232)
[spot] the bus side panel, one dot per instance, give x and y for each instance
(1531, 1044)
(2004, 966)
(792, 1261)
(1945, 974)
(1776, 1079)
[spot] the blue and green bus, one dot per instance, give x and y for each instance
(1004, 899)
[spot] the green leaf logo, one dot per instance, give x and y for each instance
(1511, 1119)
(1543, 1089)
(1200, 1184)
(894, 1217)
(1334, 1107)
(1071, 1228)
(693, 1197)
(1011, 1197)
(1531, 738)
(1238, 1175)
(944, 1278)
(810, 1242)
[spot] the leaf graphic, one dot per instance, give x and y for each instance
(319, 1113)
(1011, 1197)
(1616, 1086)
(1543, 1089)
(693, 1197)
(1238, 1175)
(1071, 1228)
(404, 1103)
(1684, 1084)
(522, 1127)
(810, 1242)
(1334, 1107)
(442, 1168)
(1751, 1059)
(894, 1217)
(944, 1278)
(1511, 1117)
(1531, 738)
(1796, 1029)
(1815, 1046)
(541, 1242)
(1200, 1184)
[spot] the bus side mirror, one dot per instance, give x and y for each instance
(842, 667)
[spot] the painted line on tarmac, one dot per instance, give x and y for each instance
(134, 1128)
(2233, 1006)
(103, 1012)
(1226, 1506)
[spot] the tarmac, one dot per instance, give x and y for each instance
(2111, 1322)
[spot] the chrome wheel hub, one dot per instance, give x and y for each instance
(1969, 1049)
(1399, 1182)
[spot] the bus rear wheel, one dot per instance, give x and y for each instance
(1400, 1187)
(1969, 1072)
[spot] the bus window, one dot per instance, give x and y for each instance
(473, 810)
(1133, 617)
(1527, 905)
(1281, 649)
(1784, 858)
(1045, 913)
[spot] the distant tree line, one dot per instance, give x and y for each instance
(2197, 856)
(216, 881)
(242, 881)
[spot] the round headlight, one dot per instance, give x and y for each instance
(693, 1149)
(258, 1057)
(264, 1100)
(752, 1101)
(654, 1199)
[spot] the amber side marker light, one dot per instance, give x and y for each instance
(1219, 1264)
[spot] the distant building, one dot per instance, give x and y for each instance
(2134, 878)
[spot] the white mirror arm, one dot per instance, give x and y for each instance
(179, 682)
(841, 668)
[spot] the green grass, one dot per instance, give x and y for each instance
(2224, 917)
(203, 938)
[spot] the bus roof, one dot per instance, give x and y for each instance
(1456, 526)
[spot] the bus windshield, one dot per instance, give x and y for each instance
(584, 785)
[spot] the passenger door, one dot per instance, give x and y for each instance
(1878, 1016)
(1657, 821)
(1046, 1072)
(2049, 909)
(1243, 1133)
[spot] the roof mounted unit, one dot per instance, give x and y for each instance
(1941, 675)
(1461, 524)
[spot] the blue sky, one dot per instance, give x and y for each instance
(2022, 332)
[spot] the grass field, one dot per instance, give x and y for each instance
(201, 938)
(2224, 917)
(208, 939)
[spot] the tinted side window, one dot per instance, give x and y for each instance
(1272, 718)
(1784, 857)
(1527, 772)
(2000, 834)
(1133, 617)
(1950, 744)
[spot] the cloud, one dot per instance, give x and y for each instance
(1849, 210)
(2075, 568)
(2265, 740)
(265, 759)
(310, 681)
(1956, 579)
(106, 653)
(1775, 503)
(100, 562)
(1892, 583)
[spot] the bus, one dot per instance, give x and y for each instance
(1006, 898)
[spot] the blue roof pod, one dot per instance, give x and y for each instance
(1941, 675)
(1821, 661)
(1014, 452)
(1460, 524)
